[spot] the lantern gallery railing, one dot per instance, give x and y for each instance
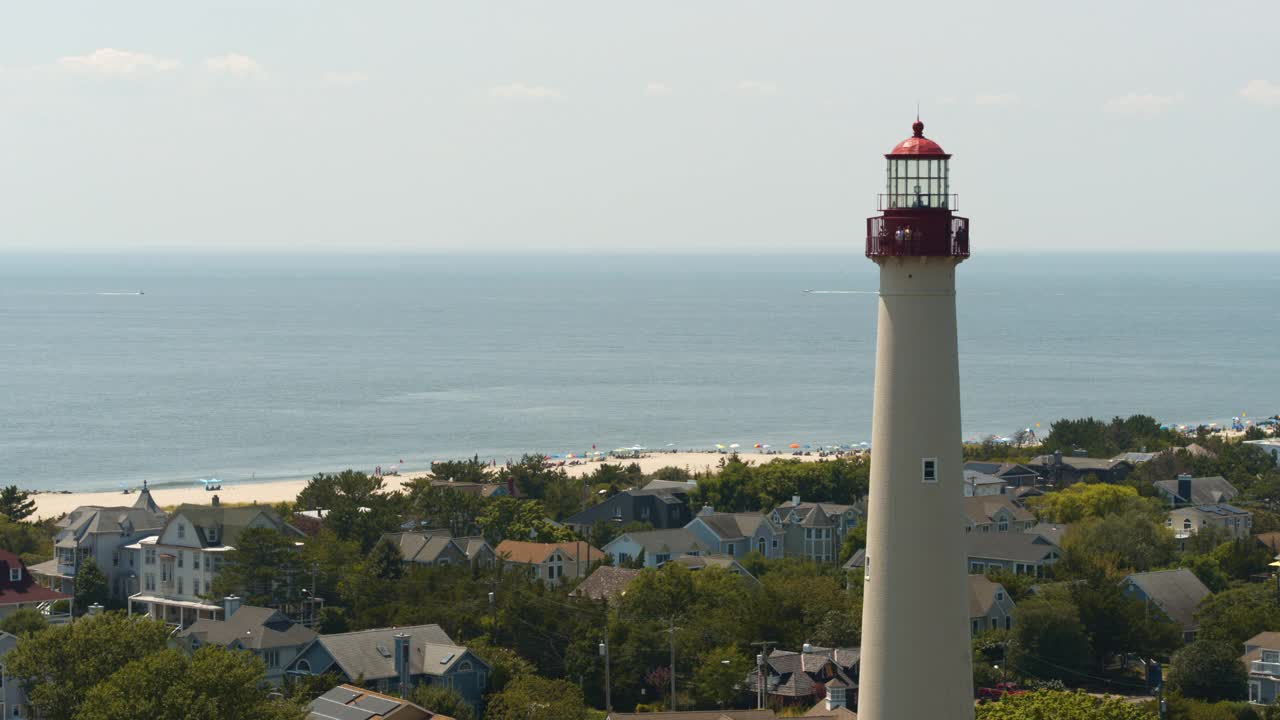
(917, 201)
(916, 235)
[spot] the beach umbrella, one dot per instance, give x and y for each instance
(735, 446)
(807, 446)
(671, 444)
(758, 445)
(794, 446)
(766, 446)
(719, 446)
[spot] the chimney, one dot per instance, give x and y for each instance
(511, 486)
(795, 499)
(216, 502)
(808, 647)
(706, 510)
(1184, 488)
(1057, 457)
(230, 604)
(402, 662)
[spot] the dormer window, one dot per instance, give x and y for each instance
(182, 531)
(15, 574)
(212, 533)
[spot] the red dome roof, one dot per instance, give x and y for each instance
(918, 144)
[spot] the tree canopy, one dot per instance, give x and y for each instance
(16, 505)
(1208, 670)
(1055, 705)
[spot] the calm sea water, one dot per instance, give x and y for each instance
(273, 366)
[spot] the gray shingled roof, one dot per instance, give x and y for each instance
(733, 526)
(358, 655)
(230, 521)
(672, 540)
(1053, 532)
(1204, 490)
(255, 628)
(1010, 546)
(982, 595)
(981, 509)
(605, 583)
(1177, 592)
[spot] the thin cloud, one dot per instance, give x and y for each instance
(119, 63)
(997, 99)
(757, 87)
(345, 78)
(1142, 104)
(233, 64)
(1261, 92)
(656, 89)
(520, 91)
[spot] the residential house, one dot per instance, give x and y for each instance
(486, 490)
(996, 513)
(737, 534)
(814, 531)
(439, 549)
(101, 533)
(1017, 552)
(1269, 540)
(857, 564)
(348, 702)
(990, 607)
(724, 562)
(19, 589)
(1011, 474)
(1187, 490)
(550, 561)
(979, 483)
(1063, 470)
(662, 505)
(177, 567)
(1262, 661)
(795, 678)
(13, 698)
(1189, 520)
(389, 659)
(265, 632)
(1053, 532)
(1176, 592)
(605, 583)
(1270, 446)
(652, 548)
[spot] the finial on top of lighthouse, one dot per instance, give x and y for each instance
(917, 127)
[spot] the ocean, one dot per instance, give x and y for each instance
(269, 366)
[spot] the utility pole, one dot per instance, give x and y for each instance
(608, 688)
(761, 658)
(673, 663)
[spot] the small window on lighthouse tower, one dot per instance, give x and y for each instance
(929, 470)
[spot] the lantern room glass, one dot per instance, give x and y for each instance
(918, 183)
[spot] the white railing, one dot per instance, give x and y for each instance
(1265, 668)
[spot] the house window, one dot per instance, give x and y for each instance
(760, 545)
(929, 470)
(1270, 656)
(1008, 622)
(182, 531)
(15, 574)
(271, 658)
(976, 627)
(149, 581)
(464, 666)
(195, 586)
(995, 623)
(999, 596)
(976, 568)
(730, 549)
(115, 558)
(661, 557)
(179, 584)
(149, 556)
(303, 667)
(1186, 525)
(206, 562)
(1255, 691)
(182, 557)
(1004, 526)
(775, 543)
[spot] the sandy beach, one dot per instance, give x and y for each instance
(273, 491)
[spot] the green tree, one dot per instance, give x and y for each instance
(60, 665)
(386, 560)
(471, 470)
(717, 678)
(531, 476)
(854, 540)
(1056, 705)
(445, 701)
(1083, 500)
(444, 506)
(1117, 623)
(31, 542)
(1208, 670)
(504, 664)
(537, 698)
(212, 684)
(15, 504)
(263, 568)
(1049, 641)
(1130, 541)
(23, 622)
(1235, 615)
(90, 586)
(508, 518)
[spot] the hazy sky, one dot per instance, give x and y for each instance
(646, 126)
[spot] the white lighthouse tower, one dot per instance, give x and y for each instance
(915, 628)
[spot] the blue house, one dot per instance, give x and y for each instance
(654, 546)
(736, 534)
(660, 504)
(387, 659)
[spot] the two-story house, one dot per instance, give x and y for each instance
(990, 607)
(737, 534)
(19, 590)
(1063, 470)
(996, 513)
(439, 548)
(800, 678)
(1188, 490)
(661, 504)
(1010, 474)
(979, 483)
(653, 547)
(1017, 552)
(177, 567)
(101, 533)
(1262, 661)
(1189, 520)
(814, 531)
(265, 632)
(388, 659)
(552, 562)
(1176, 592)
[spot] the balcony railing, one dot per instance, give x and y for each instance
(917, 201)
(1265, 668)
(898, 236)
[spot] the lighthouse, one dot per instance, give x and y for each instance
(915, 627)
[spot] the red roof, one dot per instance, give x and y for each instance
(918, 145)
(24, 590)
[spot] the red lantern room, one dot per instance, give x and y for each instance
(916, 217)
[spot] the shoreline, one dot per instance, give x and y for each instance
(55, 503)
